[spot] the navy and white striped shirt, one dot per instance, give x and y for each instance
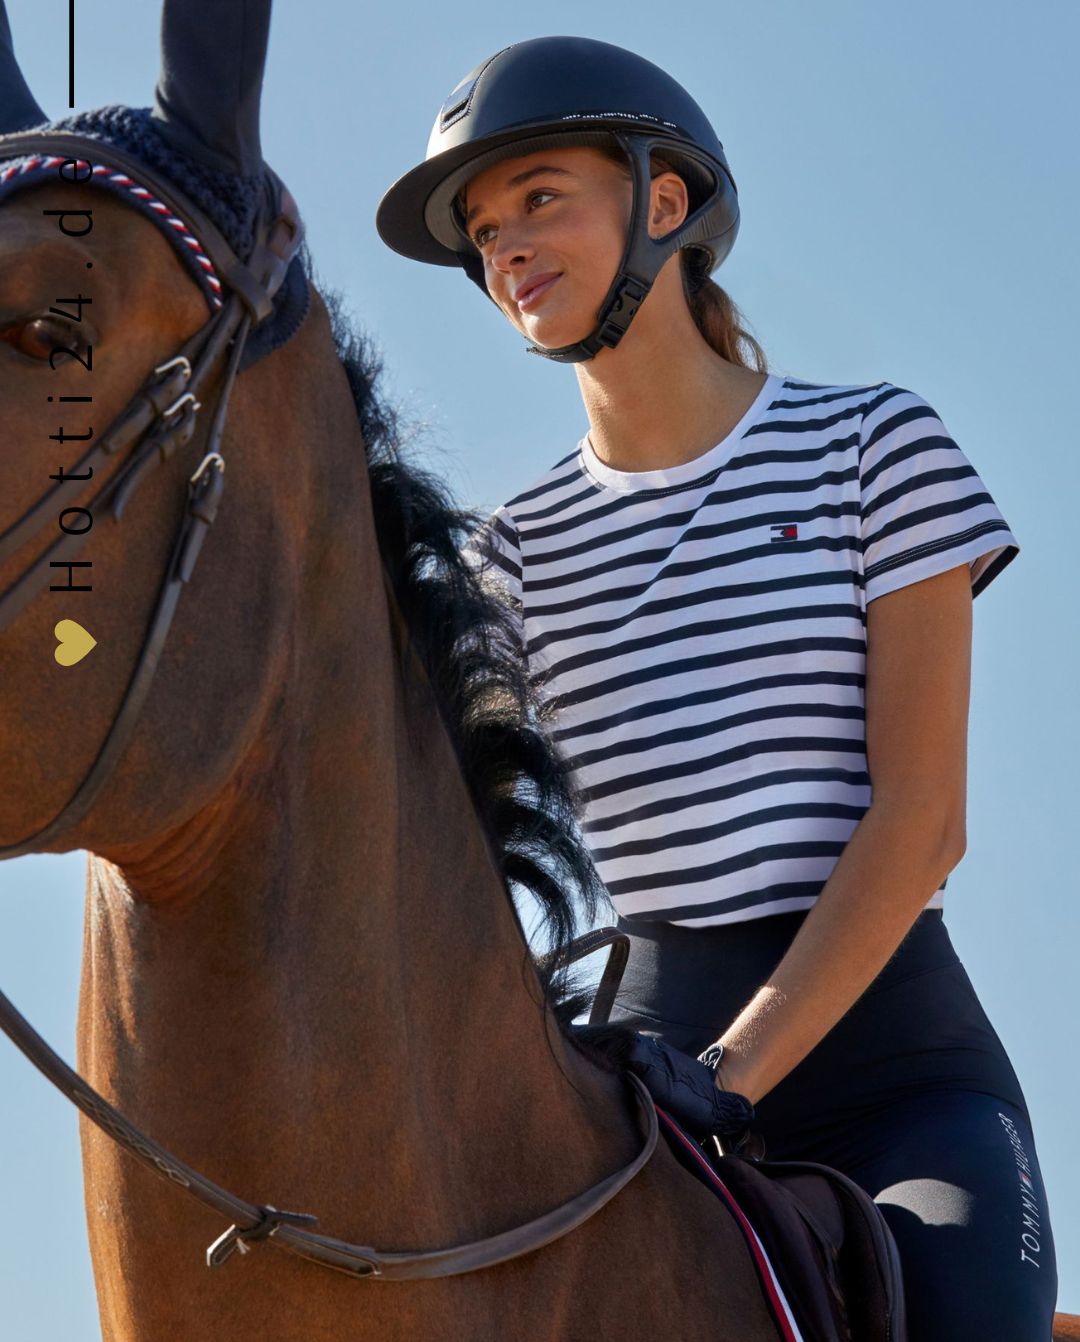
(700, 632)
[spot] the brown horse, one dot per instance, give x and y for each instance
(303, 972)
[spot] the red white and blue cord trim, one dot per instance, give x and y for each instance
(184, 239)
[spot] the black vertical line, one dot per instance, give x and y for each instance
(71, 53)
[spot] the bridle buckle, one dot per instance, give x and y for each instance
(180, 361)
(188, 398)
(211, 459)
(242, 1237)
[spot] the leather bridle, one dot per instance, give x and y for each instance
(158, 421)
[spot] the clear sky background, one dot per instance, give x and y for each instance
(908, 182)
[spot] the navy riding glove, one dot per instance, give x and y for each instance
(686, 1088)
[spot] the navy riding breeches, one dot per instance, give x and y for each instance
(911, 1095)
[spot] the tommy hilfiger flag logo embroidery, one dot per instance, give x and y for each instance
(785, 531)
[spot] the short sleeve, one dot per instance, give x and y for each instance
(924, 508)
(494, 552)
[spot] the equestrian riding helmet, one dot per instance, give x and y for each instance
(552, 92)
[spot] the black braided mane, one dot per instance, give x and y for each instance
(464, 634)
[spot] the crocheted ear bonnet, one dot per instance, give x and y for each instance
(230, 201)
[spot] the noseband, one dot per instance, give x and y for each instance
(160, 419)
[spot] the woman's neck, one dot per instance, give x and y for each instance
(663, 396)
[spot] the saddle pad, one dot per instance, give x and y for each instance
(692, 1158)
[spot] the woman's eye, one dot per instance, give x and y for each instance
(483, 236)
(38, 338)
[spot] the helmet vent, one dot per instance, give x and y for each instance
(457, 105)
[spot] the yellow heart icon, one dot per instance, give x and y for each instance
(73, 642)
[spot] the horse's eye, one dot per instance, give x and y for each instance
(38, 338)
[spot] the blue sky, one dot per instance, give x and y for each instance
(908, 184)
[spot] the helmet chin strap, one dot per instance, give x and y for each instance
(642, 261)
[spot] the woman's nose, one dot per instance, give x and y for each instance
(512, 249)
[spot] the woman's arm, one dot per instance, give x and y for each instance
(918, 665)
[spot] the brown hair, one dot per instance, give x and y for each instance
(712, 308)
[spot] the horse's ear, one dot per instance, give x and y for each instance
(18, 108)
(207, 98)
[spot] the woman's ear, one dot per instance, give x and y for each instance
(669, 205)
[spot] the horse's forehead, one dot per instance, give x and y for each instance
(36, 211)
(31, 171)
(230, 203)
(29, 235)
(127, 268)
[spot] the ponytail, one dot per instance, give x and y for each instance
(716, 316)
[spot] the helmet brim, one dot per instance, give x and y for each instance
(415, 216)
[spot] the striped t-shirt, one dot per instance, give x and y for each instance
(700, 633)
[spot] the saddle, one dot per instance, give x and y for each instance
(834, 1265)
(825, 1255)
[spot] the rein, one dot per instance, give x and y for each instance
(254, 1223)
(160, 419)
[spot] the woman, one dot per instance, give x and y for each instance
(749, 600)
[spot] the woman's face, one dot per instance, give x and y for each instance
(551, 229)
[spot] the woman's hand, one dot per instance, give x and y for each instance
(686, 1087)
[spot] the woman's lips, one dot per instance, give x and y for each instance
(532, 296)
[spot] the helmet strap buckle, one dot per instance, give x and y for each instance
(619, 311)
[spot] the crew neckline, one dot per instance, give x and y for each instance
(676, 477)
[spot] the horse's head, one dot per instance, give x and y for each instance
(146, 260)
(288, 604)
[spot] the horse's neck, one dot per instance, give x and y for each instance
(317, 993)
